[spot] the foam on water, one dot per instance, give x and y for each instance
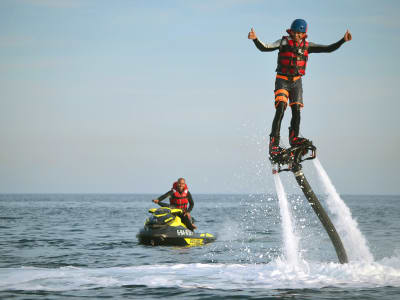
(353, 240)
(275, 275)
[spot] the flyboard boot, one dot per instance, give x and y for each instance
(274, 148)
(294, 139)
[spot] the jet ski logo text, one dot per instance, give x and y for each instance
(184, 232)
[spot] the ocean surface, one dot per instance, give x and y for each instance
(85, 247)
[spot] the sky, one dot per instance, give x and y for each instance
(127, 96)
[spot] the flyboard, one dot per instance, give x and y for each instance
(290, 159)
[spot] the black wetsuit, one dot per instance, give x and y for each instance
(312, 47)
(185, 219)
(294, 87)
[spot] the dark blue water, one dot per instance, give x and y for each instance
(84, 246)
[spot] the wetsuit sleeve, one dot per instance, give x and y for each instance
(317, 48)
(267, 47)
(162, 197)
(191, 203)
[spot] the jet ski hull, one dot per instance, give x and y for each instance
(173, 236)
(165, 228)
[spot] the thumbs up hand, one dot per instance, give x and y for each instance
(252, 34)
(347, 36)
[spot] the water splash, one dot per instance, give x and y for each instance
(275, 275)
(353, 240)
(290, 240)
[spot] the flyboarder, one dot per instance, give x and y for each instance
(292, 61)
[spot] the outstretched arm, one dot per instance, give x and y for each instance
(161, 198)
(260, 45)
(317, 48)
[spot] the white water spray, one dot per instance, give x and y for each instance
(353, 240)
(290, 241)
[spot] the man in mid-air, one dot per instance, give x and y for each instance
(292, 61)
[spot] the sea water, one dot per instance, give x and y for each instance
(85, 246)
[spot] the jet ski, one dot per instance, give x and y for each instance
(164, 227)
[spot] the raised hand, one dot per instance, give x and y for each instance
(252, 34)
(347, 36)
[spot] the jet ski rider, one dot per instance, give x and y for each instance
(179, 197)
(292, 61)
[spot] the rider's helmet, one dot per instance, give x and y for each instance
(299, 25)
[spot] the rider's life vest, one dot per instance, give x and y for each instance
(292, 57)
(179, 200)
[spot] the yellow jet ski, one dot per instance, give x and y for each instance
(164, 227)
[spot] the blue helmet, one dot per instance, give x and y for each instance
(299, 25)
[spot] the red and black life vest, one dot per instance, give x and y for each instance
(179, 200)
(292, 57)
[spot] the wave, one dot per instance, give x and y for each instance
(275, 275)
